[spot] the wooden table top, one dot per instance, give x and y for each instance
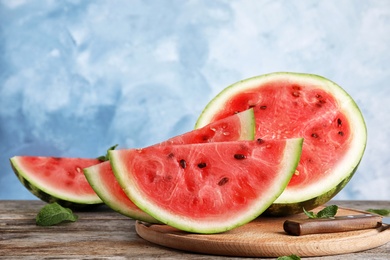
(104, 234)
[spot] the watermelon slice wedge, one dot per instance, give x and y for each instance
(209, 187)
(240, 126)
(54, 179)
(289, 105)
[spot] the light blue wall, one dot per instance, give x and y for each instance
(79, 76)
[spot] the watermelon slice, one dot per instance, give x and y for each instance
(210, 187)
(54, 179)
(289, 105)
(239, 126)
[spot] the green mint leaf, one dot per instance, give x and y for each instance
(53, 214)
(104, 158)
(310, 214)
(290, 257)
(382, 212)
(328, 212)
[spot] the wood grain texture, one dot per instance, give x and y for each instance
(104, 234)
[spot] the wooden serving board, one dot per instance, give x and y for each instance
(265, 237)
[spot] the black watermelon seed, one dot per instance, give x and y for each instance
(202, 165)
(263, 107)
(314, 135)
(183, 163)
(239, 156)
(260, 141)
(339, 122)
(341, 133)
(223, 181)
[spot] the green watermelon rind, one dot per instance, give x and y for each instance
(283, 209)
(331, 185)
(97, 184)
(51, 195)
(290, 161)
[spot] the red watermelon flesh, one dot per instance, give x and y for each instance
(301, 114)
(101, 177)
(207, 188)
(55, 179)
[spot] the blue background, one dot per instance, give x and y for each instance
(79, 76)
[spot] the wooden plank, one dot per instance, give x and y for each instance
(103, 233)
(99, 233)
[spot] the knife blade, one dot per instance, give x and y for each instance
(329, 225)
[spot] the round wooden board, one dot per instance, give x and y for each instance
(265, 237)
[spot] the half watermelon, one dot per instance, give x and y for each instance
(209, 187)
(240, 126)
(289, 105)
(54, 179)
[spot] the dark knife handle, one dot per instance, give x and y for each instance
(330, 225)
